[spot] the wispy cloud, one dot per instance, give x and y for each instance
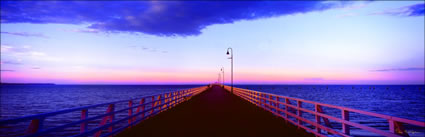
(84, 30)
(10, 62)
(356, 6)
(37, 53)
(346, 15)
(26, 51)
(314, 79)
(161, 18)
(5, 48)
(7, 70)
(411, 10)
(146, 49)
(400, 69)
(25, 34)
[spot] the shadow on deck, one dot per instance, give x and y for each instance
(214, 112)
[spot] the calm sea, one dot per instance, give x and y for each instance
(402, 101)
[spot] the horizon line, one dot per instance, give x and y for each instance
(153, 84)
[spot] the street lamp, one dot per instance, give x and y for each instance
(222, 70)
(231, 62)
(218, 80)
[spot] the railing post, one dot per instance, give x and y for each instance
(35, 126)
(140, 108)
(391, 124)
(250, 95)
(257, 98)
(143, 107)
(152, 105)
(270, 102)
(346, 116)
(111, 117)
(397, 128)
(159, 102)
(177, 97)
(184, 95)
(257, 102)
(278, 105)
(180, 96)
(326, 120)
(287, 108)
(170, 100)
(106, 118)
(317, 107)
(299, 112)
(274, 103)
(84, 115)
(260, 99)
(264, 101)
(130, 113)
(155, 104)
(263, 98)
(164, 104)
(173, 99)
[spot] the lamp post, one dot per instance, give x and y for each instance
(231, 69)
(222, 70)
(219, 77)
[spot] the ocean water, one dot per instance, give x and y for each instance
(20, 100)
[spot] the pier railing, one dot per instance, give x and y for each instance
(141, 109)
(285, 107)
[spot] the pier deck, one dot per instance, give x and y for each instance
(214, 112)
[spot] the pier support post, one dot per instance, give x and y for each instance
(346, 116)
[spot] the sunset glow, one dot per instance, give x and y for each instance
(170, 42)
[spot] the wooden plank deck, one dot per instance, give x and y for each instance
(214, 113)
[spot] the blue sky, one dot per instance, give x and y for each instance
(171, 42)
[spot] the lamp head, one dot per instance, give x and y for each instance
(227, 52)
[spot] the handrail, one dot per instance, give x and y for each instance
(273, 103)
(148, 106)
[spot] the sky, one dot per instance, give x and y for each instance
(185, 42)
